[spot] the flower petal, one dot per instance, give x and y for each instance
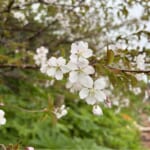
(65, 69)
(61, 61)
(100, 95)
(89, 70)
(74, 48)
(82, 46)
(97, 110)
(51, 71)
(84, 93)
(88, 53)
(2, 121)
(58, 75)
(52, 61)
(2, 113)
(73, 58)
(90, 100)
(72, 66)
(100, 83)
(86, 80)
(82, 62)
(73, 76)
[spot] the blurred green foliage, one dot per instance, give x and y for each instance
(79, 130)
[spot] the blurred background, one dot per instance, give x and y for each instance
(28, 97)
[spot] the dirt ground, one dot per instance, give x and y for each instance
(145, 133)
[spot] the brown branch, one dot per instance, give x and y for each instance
(24, 66)
(39, 32)
(127, 70)
(28, 66)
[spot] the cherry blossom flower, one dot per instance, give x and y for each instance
(97, 110)
(60, 112)
(40, 57)
(94, 94)
(56, 67)
(80, 51)
(42, 50)
(2, 118)
(80, 72)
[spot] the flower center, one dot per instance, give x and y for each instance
(92, 91)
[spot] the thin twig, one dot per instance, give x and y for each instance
(28, 66)
(24, 66)
(127, 70)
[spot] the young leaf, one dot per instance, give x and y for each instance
(110, 57)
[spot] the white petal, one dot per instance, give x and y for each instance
(51, 71)
(74, 48)
(88, 53)
(68, 85)
(84, 93)
(82, 62)
(100, 95)
(72, 66)
(73, 57)
(2, 121)
(2, 113)
(61, 61)
(86, 81)
(90, 100)
(58, 75)
(100, 83)
(97, 110)
(83, 46)
(73, 76)
(52, 61)
(89, 70)
(42, 50)
(65, 69)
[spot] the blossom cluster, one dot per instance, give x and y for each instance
(82, 76)
(79, 72)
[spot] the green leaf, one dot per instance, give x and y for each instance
(110, 57)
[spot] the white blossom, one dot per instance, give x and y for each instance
(79, 72)
(2, 118)
(42, 50)
(41, 56)
(141, 77)
(94, 94)
(80, 51)
(56, 67)
(60, 112)
(140, 61)
(97, 110)
(136, 90)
